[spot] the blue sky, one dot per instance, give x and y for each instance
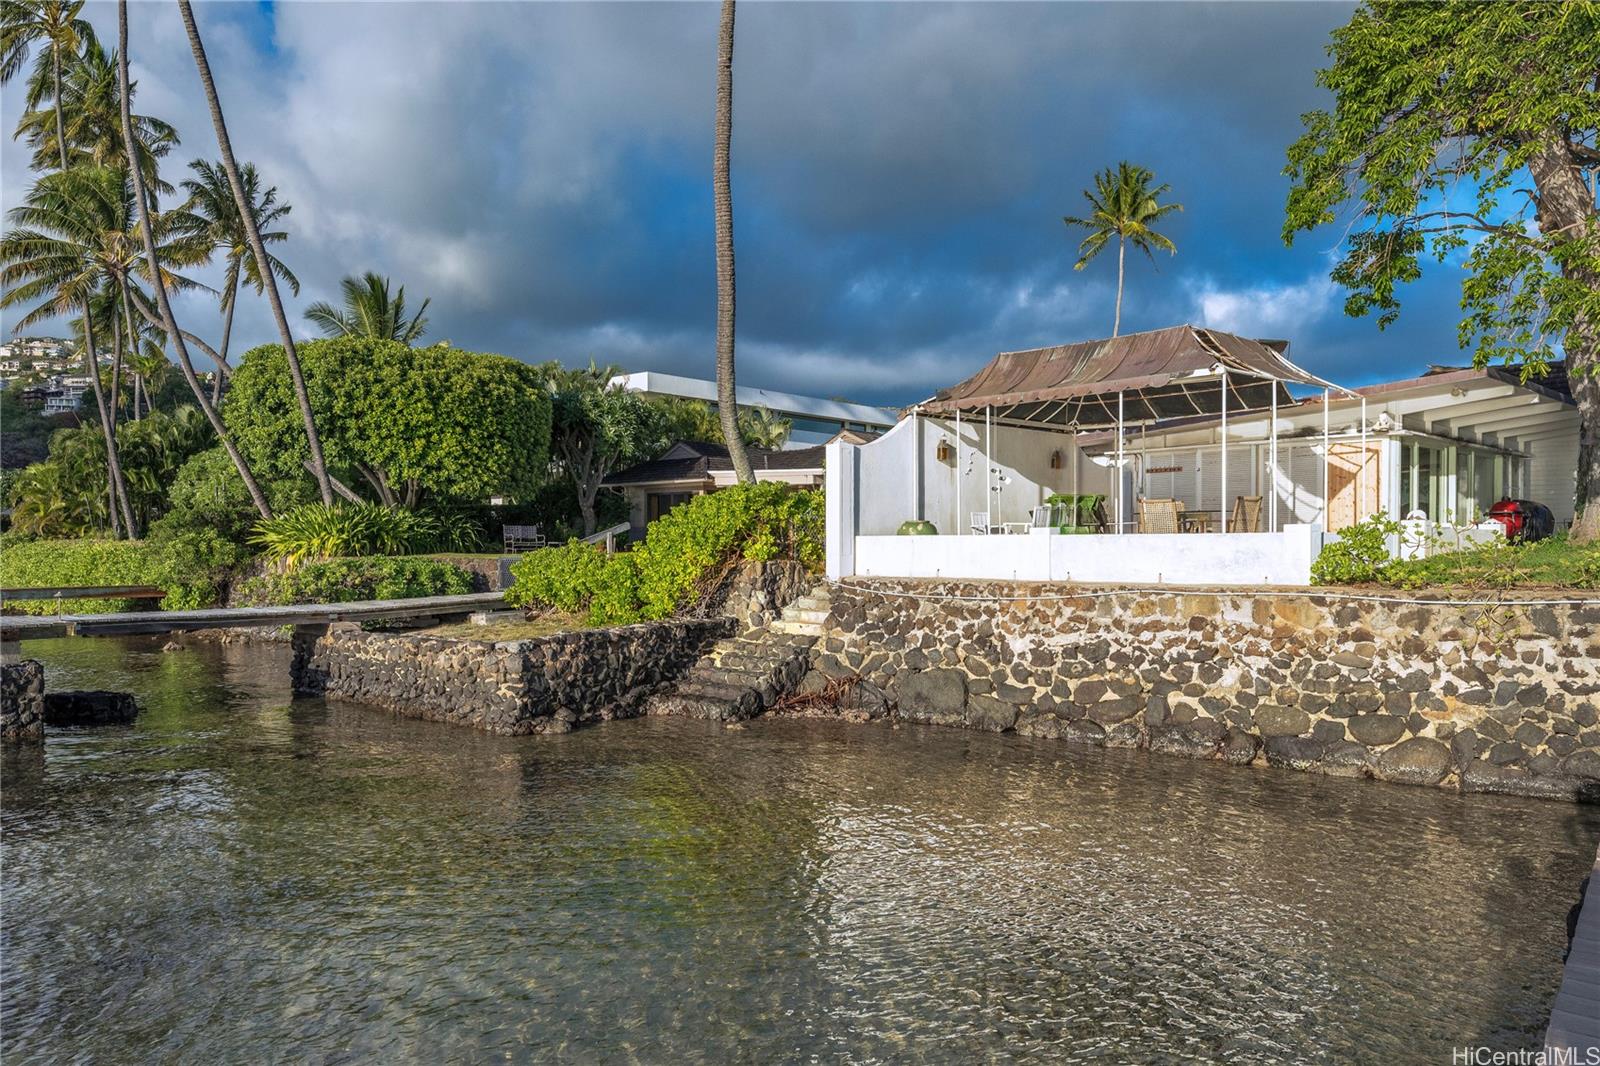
(542, 172)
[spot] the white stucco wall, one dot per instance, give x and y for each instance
(1282, 558)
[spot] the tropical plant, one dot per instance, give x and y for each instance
(370, 312)
(722, 196)
(598, 427)
(1123, 206)
(157, 281)
(409, 424)
(1470, 133)
(215, 213)
(246, 214)
(316, 531)
(760, 428)
(58, 25)
(565, 577)
(687, 419)
(1361, 553)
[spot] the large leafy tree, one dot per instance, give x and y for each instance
(722, 197)
(598, 427)
(401, 424)
(1124, 206)
(370, 311)
(1465, 133)
(215, 214)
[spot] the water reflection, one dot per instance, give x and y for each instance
(237, 876)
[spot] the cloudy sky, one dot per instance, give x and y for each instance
(543, 172)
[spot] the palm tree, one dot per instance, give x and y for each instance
(246, 207)
(722, 194)
(158, 283)
(1123, 206)
(369, 311)
(92, 119)
(56, 23)
(760, 428)
(73, 238)
(216, 213)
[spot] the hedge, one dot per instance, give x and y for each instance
(348, 580)
(52, 563)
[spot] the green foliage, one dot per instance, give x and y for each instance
(369, 311)
(1360, 554)
(66, 494)
(349, 580)
(53, 563)
(1123, 206)
(315, 531)
(1500, 564)
(396, 420)
(1460, 132)
(597, 428)
(565, 577)
(683, 553)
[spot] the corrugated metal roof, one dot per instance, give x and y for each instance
(1164, 373)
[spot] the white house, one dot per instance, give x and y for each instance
(693, 468)
(1140, 422)
(812, 420)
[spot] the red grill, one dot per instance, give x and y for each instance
(1523, 519)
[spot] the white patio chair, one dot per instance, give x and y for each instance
(980, 523)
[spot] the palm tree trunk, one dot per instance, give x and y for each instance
(263, 263)
(141, 200)
(1116, 323)
(133, 343)
(231, 297)
(61, 127)
(117, 488)
(722, 193)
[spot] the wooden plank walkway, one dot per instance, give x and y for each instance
(1575, 1017)
(33, 627)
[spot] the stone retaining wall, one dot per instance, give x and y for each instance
(546, 685)
(22, 700)
(1479, 699)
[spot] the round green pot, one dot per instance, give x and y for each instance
(917, 528)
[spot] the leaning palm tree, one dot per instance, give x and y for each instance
(1123, 206)
(73, 239)
(246, 206)
(722, 195)
(158, 283)
(369, 311)
(216, 214)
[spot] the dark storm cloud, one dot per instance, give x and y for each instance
(543, 172)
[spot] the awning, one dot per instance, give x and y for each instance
(1166, 373)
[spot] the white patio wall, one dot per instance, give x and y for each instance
(1282, 558)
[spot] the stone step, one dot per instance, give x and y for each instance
(798, 629)
(683, 706)
(816, 616)
(812, 602)
(745, 700)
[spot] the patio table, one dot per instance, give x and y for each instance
(1195, 521)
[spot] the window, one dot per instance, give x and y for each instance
(659, 503)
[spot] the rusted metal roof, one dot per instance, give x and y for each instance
(1164, 373)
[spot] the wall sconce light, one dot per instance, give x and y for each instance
(1055, 459)
(942, 452)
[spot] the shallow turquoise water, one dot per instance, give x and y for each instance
(240, 877)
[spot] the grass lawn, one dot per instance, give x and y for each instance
(546, 625)
(1550, 563)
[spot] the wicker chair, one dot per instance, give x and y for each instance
(1158, 516)
(1246, 515)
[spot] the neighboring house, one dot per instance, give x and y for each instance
(691, 468)
(812, 420)
(1449, 444)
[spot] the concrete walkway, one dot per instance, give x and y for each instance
(1575, 1017)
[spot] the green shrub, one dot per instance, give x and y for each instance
(348, 580)
(683, 554)
(51, 563)
(1360, 554)
(565, 577)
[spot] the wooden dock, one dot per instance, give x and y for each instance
(1575, 1017)
(15, 628)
